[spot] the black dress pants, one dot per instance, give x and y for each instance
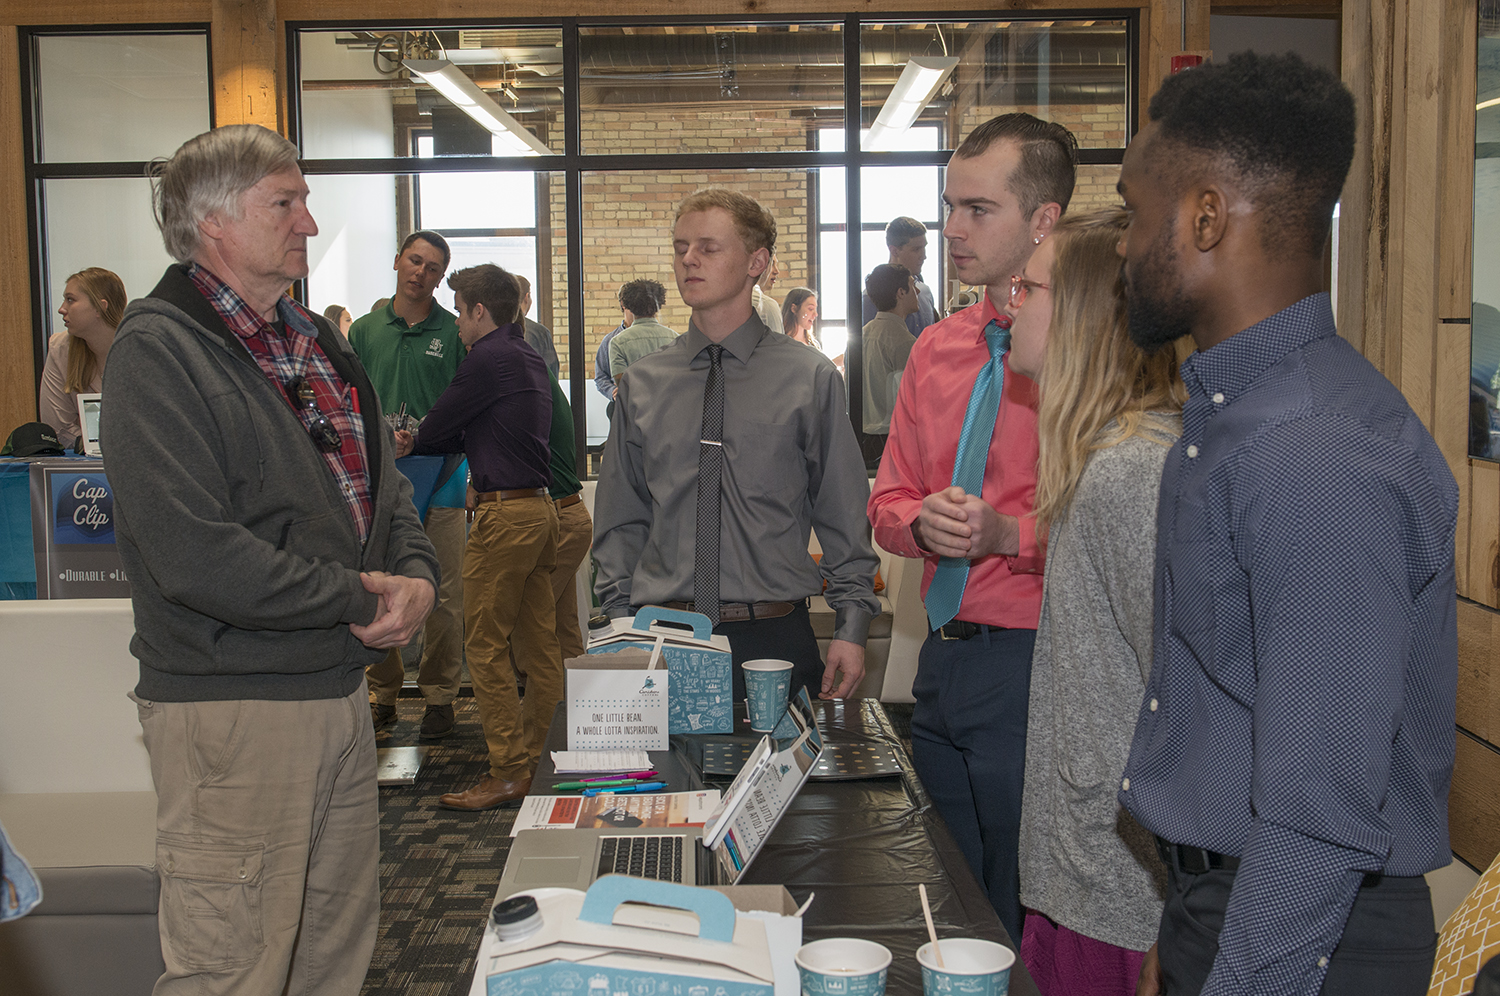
(787, 638)
(1387, 947)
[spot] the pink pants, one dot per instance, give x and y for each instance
(1065, 963)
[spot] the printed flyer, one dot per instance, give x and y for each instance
(576, 812)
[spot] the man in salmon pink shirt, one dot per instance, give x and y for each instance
(1006, 186)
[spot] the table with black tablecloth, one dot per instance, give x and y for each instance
(862, 845)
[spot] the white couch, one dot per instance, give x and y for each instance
(76, 798)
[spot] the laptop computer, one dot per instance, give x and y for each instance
(718, 853)
(88, 420)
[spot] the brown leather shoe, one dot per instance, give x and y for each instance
(488, 794)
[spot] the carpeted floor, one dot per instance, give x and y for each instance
(438, 869)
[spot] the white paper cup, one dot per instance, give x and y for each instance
(768, 685)
(971, 967)
(843, 966)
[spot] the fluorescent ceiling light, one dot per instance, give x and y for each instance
(1487, 103)
(448, 80)
(913, 91)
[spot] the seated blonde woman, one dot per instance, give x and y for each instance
(1090, 877)
(93, 304)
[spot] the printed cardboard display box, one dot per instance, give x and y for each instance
(699, 665)
(685, 941)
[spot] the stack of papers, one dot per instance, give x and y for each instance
(568, 762)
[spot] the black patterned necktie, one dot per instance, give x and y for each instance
(710, 467)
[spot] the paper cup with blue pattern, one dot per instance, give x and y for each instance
(843, 966)
(768, 684)
(971, 967)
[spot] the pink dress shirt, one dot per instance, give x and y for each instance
(919, 456)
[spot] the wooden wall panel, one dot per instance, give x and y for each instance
(1479, 670)
(1456, 244)
(17, 374)
(1473, 804)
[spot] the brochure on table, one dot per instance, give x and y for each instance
(656, 809)
(699, 664)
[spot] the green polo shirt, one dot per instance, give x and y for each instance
(564, 452)
(408, 364)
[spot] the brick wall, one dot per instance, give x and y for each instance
(628, 216)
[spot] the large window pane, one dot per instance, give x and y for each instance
(1076, 73)
(739, 88)
(472, 91)
(620, 245)
(100, 222)
(119, 98)
(1484, 373)
(362, 220)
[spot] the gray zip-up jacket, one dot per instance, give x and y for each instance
(243, 558)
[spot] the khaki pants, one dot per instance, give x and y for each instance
(508, 599)
(267, 844)
(443, 635)
(575, 536)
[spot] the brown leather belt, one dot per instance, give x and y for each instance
(510, 495)
(569, 501)
(741, 611)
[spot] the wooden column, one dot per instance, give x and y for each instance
(245, 45)
(18, 375)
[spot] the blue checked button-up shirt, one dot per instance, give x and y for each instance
(1300, 708)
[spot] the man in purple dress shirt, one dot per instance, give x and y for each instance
(498, 411)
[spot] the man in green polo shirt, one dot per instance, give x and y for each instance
(411, 349)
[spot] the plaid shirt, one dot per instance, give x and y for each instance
(282, 359)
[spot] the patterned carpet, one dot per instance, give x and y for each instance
(438, 869)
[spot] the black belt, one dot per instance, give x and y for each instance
(1197, 860)
(1194, 860)
(510, 494)
(741, 611)
(960, 630)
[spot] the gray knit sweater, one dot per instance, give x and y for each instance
(1085, 862)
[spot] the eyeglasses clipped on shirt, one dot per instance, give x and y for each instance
(322, 431)
(1020, 287)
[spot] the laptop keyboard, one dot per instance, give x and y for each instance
(644, 857)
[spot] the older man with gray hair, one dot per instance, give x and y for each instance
(273, 552)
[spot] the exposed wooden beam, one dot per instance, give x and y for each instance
(246, 81)
(17, 374)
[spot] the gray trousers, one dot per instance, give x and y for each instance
(267, 844)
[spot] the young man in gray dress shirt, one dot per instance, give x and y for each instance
(790, 464)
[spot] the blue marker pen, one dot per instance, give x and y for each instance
(627, 789)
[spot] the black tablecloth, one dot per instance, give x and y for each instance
(861, 846)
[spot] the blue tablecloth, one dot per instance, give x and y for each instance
(17, 558)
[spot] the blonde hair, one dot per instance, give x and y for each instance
(754, 223)
(106, 292)
(1097, 386)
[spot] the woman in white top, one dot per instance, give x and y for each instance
(1090, 878)
(93, 304)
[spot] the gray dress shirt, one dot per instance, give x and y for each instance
(791, 465)
(886, 345)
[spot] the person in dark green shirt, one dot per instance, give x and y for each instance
(411, 349)
(575, 527)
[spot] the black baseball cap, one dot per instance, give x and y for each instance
(32, 439)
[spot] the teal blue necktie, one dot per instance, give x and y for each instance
(947, 589)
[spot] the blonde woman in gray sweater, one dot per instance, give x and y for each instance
(1090, 878)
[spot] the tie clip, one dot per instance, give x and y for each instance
(710, 442)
